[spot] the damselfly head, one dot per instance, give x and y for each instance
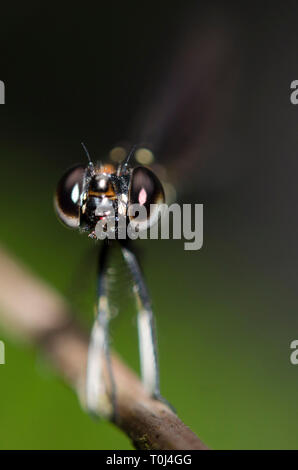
(88, 194)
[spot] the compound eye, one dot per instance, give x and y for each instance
(146, 191)
(67, 197)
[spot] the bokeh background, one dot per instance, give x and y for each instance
(209, 85)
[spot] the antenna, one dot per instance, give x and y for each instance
(87, 153)
(125, 162)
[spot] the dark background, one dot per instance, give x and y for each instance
(226, 314)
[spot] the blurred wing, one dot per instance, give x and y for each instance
(191, 106)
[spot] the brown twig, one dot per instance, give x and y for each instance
(39, 314)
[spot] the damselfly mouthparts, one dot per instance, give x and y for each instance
(91, 195)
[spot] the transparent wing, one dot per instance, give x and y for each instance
(187, 111)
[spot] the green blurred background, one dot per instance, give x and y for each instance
(225, 314)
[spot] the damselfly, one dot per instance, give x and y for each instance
(176, 125)
(92, 194)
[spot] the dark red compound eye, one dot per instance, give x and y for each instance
(67, 197)
(146, 189)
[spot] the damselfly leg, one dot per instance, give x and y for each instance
(100, 396)
(146, 329)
